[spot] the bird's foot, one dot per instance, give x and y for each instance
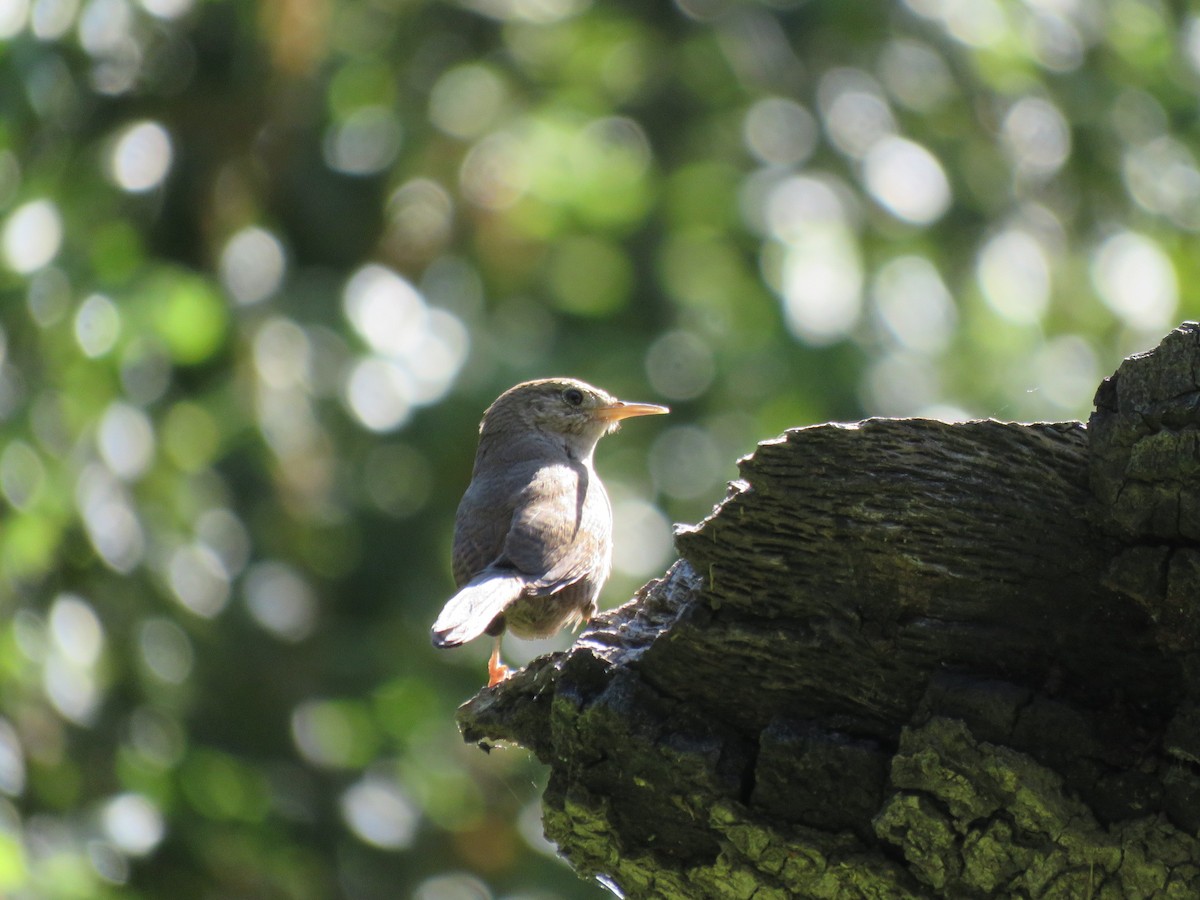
(497, 671)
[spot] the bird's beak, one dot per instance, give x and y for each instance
(622, 410)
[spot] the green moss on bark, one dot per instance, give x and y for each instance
(974, 818)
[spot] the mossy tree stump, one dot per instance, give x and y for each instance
(903, 658)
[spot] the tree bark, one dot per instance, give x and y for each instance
(902, 658)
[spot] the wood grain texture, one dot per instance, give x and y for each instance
(901, 658)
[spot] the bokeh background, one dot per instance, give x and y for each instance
(263, 265)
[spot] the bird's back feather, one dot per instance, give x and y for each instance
(468, 613)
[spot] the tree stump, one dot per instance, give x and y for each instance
(902, 658)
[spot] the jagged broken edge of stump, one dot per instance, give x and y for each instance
(515, 710)
(581, 709)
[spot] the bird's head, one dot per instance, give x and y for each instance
(562, 407)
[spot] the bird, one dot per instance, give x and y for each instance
(533, 532)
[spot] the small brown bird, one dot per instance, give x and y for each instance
(533, 533)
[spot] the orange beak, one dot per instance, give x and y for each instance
(622, 410)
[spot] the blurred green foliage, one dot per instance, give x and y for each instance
(263, 264)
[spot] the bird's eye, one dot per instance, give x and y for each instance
(573, 396)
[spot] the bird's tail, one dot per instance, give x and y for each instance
(469, 612)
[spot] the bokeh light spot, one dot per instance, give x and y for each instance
(252, 265)
(466, 100)
(821, 283)
(418, 351)
(225, 534)
(436, 360)
(1015, 276)
(796, 206)
(452, 887)
(13, 14)
(145, 370)
(104, 29)
(51, 19)
(1055, 40)
(900, 383)
(818, 270)
(76, 630)
(366, 143)
(855, 110)
(282, 354)
(495, 173)
(1136, 280)
(71, 690)
(49, 296)
(126, 441)
(915, 74)
(380, 812)
(280, 600)
(686, 462)
(167, 9)
(166, 650)
(1067, 372)
(1161, 175)
(32, 236)
(77, 640)
(385, 309)
(379, 393)
(333, 734)
(679, 365)
(111, 523)
(97, 325)
(109, 863)
(976, 23)
(22, 474)
(12, 760)
(133, 823)
(536, 12)
(421, 213)
(198, 579)
(1037, 136)
(780, 132)
(141, 157)
(914, 305)
(907, 180)
(1191, 41)
(642, 541)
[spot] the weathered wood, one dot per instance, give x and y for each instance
(902, 658)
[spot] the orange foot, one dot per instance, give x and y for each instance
(497, 671)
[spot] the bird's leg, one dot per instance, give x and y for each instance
(497, 671)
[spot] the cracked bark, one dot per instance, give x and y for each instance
(902, 658)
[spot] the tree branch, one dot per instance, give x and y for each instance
(902, 658)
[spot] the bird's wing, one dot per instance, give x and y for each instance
(482, 523)
(550, 542)
(557, 534)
